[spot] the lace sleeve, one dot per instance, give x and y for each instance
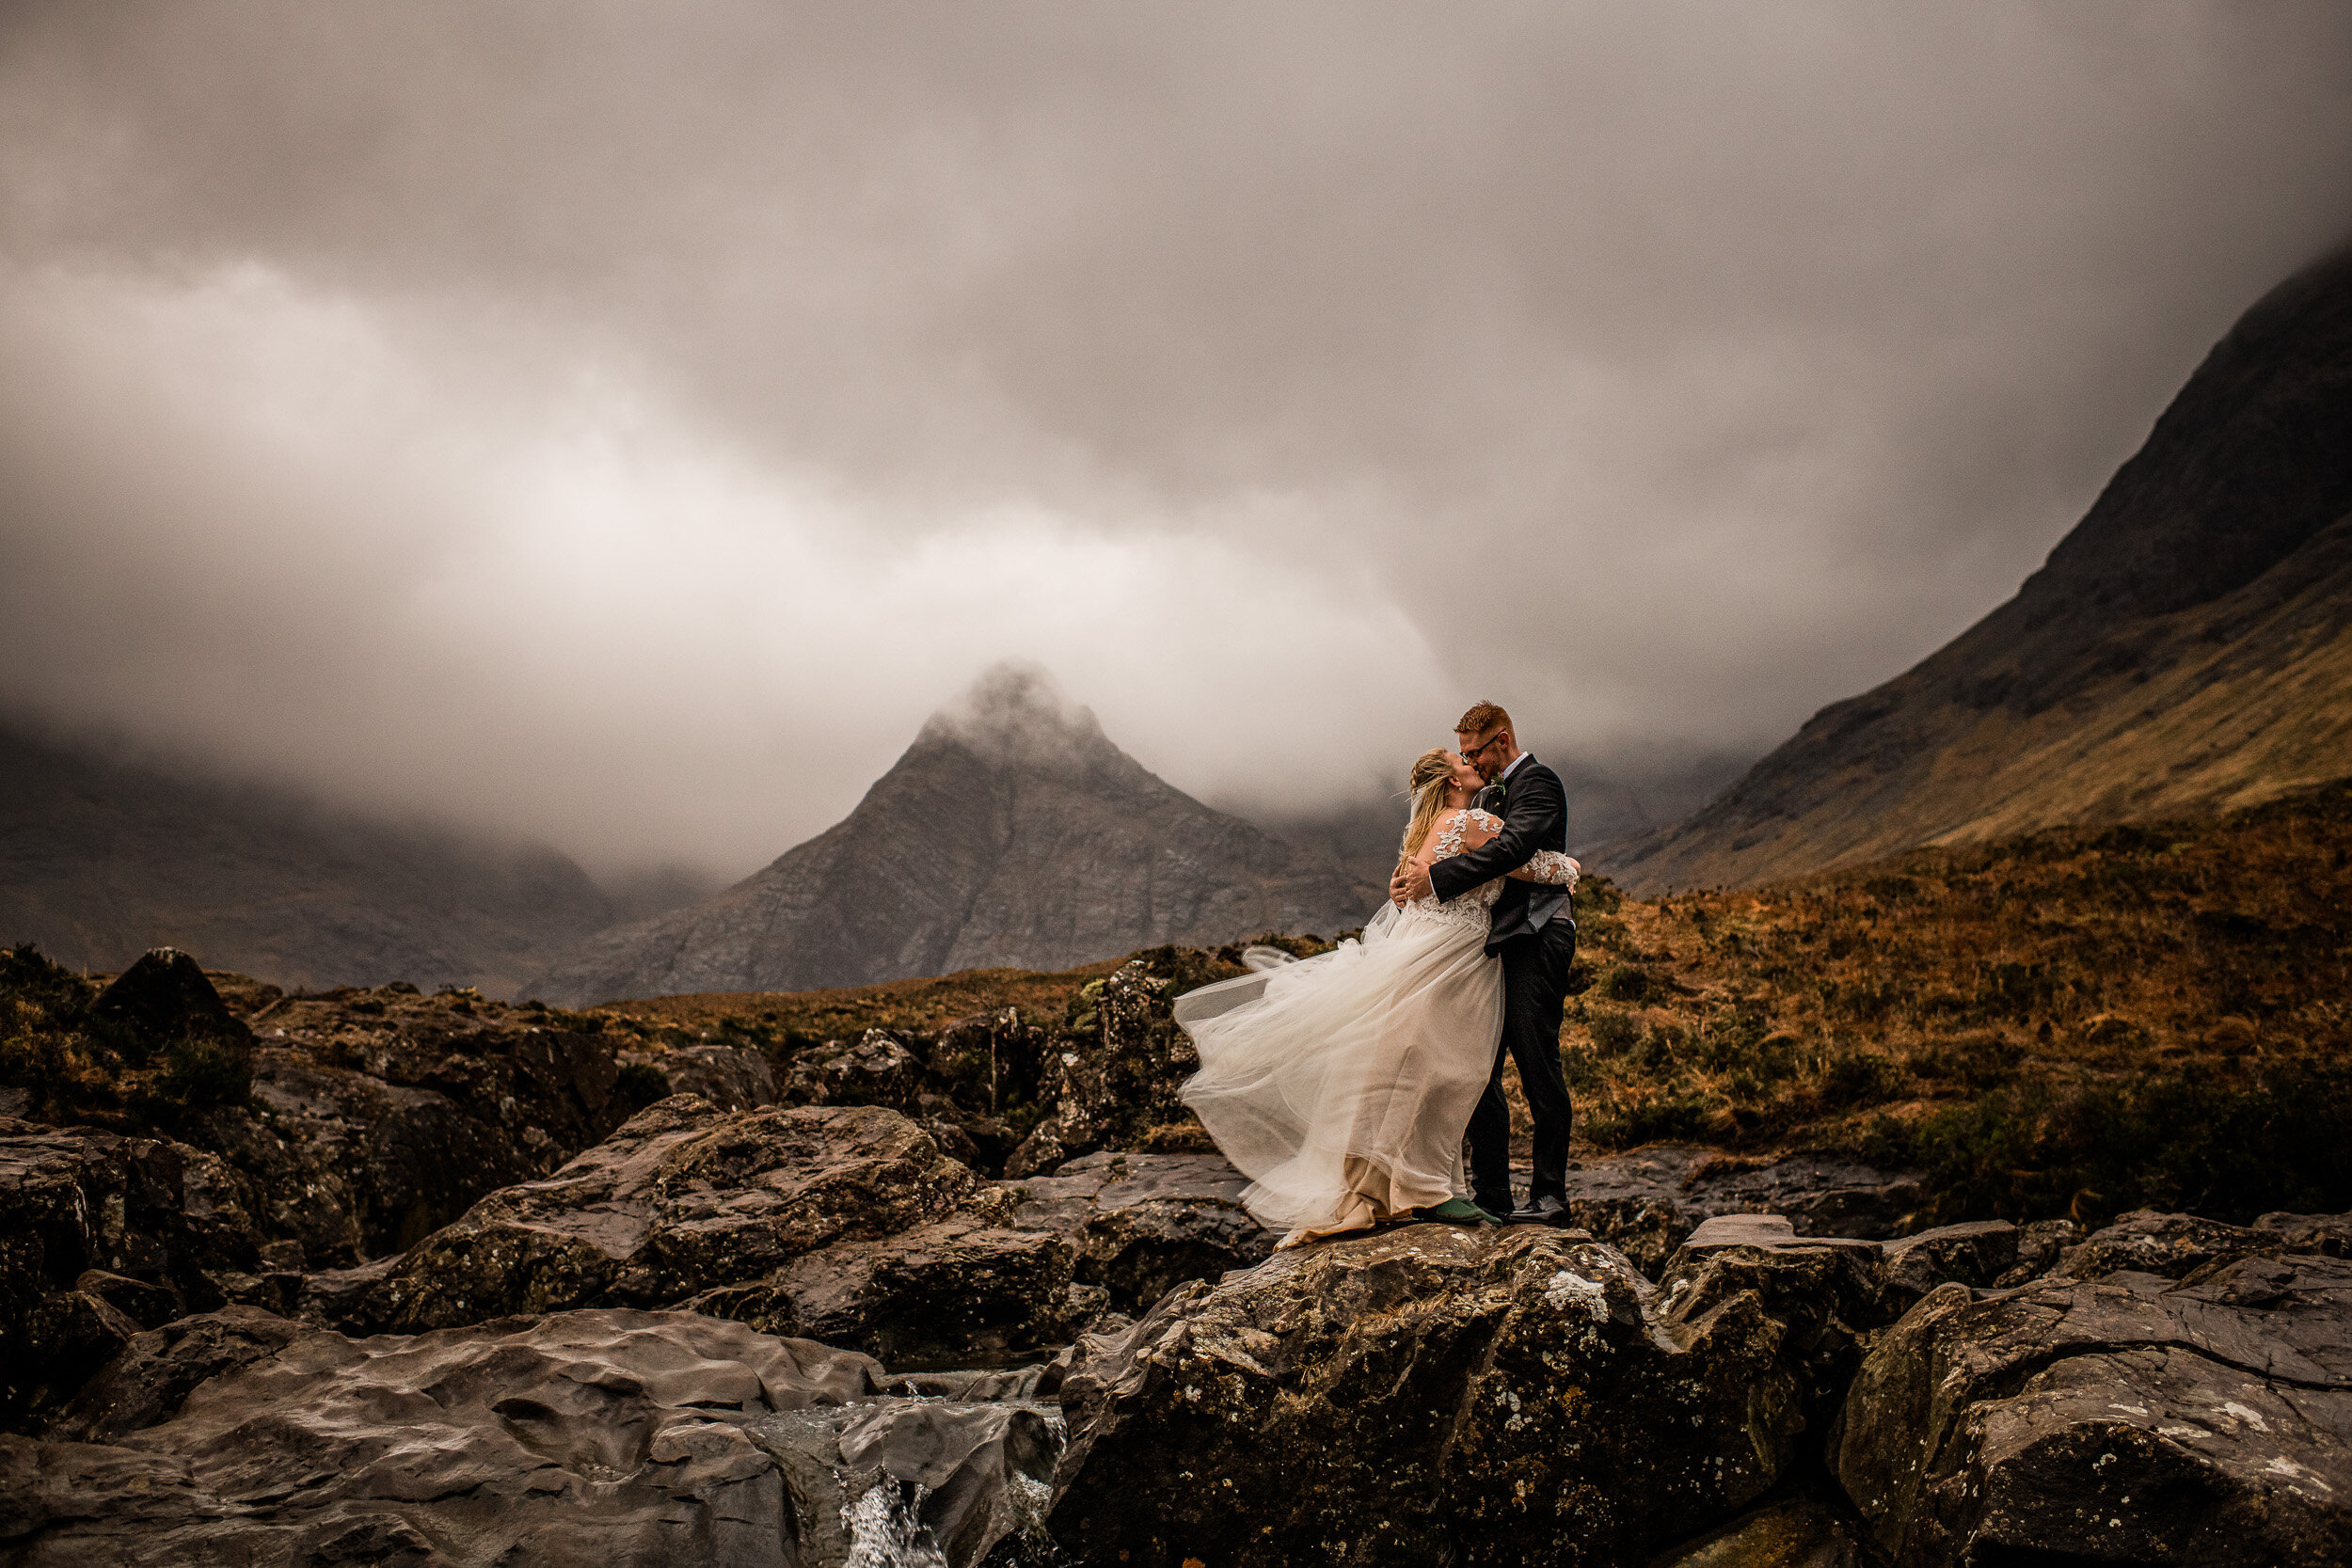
(1485, 820)
(1447, 840)
(1552, 866)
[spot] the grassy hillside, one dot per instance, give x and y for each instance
(2083, 1019)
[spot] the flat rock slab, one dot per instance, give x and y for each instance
(593, 1437)
(1428, 1393)
(1647, 1201)
(2130, 1419)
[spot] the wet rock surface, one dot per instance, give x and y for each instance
(577, 1438)
(1432, 1394)
(1800, 1533)
(2131, 1419)
(1645, 1203)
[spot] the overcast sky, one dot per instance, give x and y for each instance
(623, 424)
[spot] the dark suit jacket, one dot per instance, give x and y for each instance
(1535, 816)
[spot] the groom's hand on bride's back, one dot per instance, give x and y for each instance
(1411, 881)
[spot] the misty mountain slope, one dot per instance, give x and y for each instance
(1010, 834)
(101, 859)
(1613, 798)
(2186, 648)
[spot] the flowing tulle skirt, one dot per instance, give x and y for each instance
(1340, 1086)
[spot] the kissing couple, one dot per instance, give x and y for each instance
(1342, 1086)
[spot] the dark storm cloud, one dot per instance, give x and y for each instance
(625, 425)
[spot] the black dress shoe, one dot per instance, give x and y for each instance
(1541, 1210)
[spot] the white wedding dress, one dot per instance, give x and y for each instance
(1340, 1086)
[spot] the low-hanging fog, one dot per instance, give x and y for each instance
(622, 425)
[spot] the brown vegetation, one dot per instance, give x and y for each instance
(2082, 1019)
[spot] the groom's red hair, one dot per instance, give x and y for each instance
(1482, 719)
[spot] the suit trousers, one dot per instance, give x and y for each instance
(1534, 994)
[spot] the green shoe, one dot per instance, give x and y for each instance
(1457, 1210)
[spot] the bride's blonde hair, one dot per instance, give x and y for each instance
(1432, 770)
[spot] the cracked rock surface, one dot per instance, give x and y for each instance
(2128, 1419)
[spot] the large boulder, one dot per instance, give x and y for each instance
(960, 1291)
(165, 1000)
(580, 1438)
(1425, 1394)
(732, 1077)
(683, 1198)
(2129, 1419)
(876, 1069)
(101, 1236)
(347, 1166)
(1143, 1224)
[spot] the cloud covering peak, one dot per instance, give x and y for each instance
(628, 432)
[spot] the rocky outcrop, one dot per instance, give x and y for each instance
(577, 1438)
(960, 1291)
(2171, 1246)
(1977, 1253)
(1122, 1062)
(350, 1165)
(1432, 1394)
(683, 1198)
(2131, 1419)
(873, 1070)
(845, 1224)
(1012, 833)
(348, 1125)
(101, 1236)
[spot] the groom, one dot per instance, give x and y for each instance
(1534, 931)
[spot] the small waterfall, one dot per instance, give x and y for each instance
(884, 1531)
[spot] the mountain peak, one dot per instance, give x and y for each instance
(1016, 714)
(1012, 833)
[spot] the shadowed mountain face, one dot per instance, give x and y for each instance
(1010, 834)
(2187, 648)
(100, 860)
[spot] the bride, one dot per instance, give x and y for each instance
(1340, 1086)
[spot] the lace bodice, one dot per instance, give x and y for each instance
(1476, 907)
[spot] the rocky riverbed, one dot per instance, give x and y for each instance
(724, 1328)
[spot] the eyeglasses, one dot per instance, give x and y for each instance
(1480, 749)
